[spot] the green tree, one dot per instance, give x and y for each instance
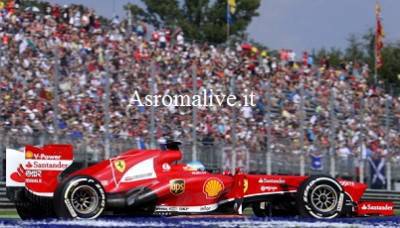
(203, 20)
(390, 55)
(354, 51)
(368, 42)
(335, 56)
(391, 67)
(34, 3)
(320, 54)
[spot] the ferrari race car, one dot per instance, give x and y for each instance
(44, 182)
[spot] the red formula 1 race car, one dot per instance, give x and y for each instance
(44, 182)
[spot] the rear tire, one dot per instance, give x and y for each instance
(26, 210)
(320, 197)
(29, 206)
(79, 197)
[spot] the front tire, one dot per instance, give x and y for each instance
(320, 197)
(79, 197)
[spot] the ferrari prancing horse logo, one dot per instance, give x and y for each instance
(177, 186)
(245, 185)
(120, 165)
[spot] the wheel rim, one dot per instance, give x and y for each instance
(84, 199)
(324, 198)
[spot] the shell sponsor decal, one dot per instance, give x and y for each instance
(245, 185)
(120, 165)
(177, 186)
(28, 154)
(213, 187)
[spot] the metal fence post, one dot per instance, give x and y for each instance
(362, 170)
(194, 114)
(152, 108)
(107, 148)
(234, 120)
(302, 159)
(387, 140)
(3, 147)
(269, 125)
(56, 98)
(388, 175)
(362, 145)
(332, 135)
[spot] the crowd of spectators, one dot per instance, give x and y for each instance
(340, 109)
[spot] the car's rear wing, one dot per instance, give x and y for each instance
(37, 168)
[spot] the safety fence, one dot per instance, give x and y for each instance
(219, 156)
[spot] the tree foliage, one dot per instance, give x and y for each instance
(354, 51)
(360, 49)
(202, 20)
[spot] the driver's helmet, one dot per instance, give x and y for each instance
(195, 166)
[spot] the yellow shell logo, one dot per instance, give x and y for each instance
(213, 187)
(29, 154)
(245, 185)
(120, 165)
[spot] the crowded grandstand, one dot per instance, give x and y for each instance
(303, 104)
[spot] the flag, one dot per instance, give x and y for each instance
(379, 34)
(377, 169)
(231, 9)
(316, 162)
(232, 6)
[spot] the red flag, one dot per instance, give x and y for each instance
(379, 34)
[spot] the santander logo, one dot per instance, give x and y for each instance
(376, 207)
(42, 161)
(19, 175)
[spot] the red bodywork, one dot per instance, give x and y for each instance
(178, 187)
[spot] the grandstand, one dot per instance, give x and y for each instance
(67, 77)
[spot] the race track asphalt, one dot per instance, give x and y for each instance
(208, 221)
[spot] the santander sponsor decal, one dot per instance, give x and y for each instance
(375, 208)
(385, 207)
(43, 165)
(44, 161)
(47, 164)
